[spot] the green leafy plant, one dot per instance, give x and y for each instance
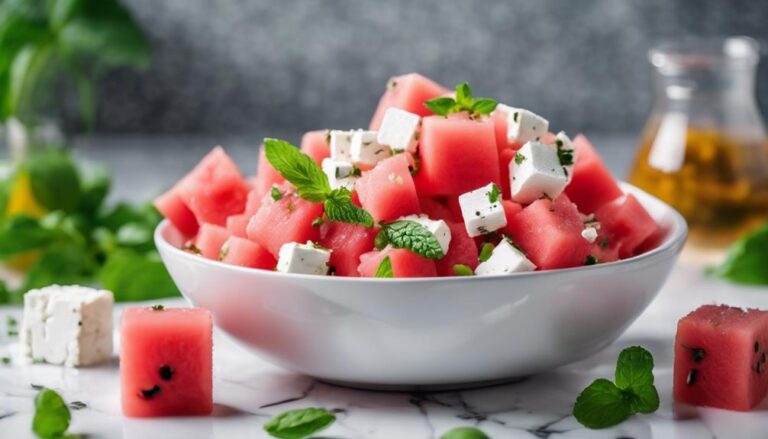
(299, 423)
(746, 260)
(463, 101)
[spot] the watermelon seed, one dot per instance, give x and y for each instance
(691, 377)
(149, 394)
(697, 354)
(757, 346)
(166, 372)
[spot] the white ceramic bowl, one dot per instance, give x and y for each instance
(429, 332)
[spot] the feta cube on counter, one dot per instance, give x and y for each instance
(399, 130)
(480, 214)
(366, 151)
(306, 258)
(566, 152)
(536, 172)
(340, 173)
(505, 259)
(524, 125)
(68, 325)
(340, 144)
(438, 228)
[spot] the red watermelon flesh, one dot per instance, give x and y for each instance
(214, 189)
(315, 145)
(510, 210)
(505, 158)
(246, 253)
(720, 358)
(407, 92)
(462, 250)
(550, 233)
(237, 224)
(171, 206)
(387, 191)
(210, 239)
(347, 242)
(592, 185)
(457, 155)
(286, 220)
(605, 250)
(436, 208)
(626, 224)
(404, 262)
(266, 175)
(166, 362)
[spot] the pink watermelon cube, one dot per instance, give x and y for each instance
(246, 253)
(214, 189)
(210, 239)
(461, 251)
(266, 175)
(237, 224)
(407, 92)
(347, 242)
(315, 145)
(457, 155)
(592, 185)
(171, 206)
(626, 224)
(511, 209)
(166, 361)
(720, 358)
(387, 191)
(405, 263)
(550, 233)
(436, 208)
(286, 220)
(505, 157)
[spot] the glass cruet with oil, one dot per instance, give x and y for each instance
(704, 149)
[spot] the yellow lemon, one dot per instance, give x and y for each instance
(22, 200)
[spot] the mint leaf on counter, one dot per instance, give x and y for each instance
(746, 260)
(413, 236)
(51, 415)
(385, 268)
(464, 433)
(299, 423)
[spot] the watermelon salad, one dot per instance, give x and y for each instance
(441, 183)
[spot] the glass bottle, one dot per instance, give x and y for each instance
(704, 147)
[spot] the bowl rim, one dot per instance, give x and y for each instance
(676, 238)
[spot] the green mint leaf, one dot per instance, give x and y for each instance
(381, 240)
(464, 95)
(27, 69)
(591, 260)
(51, 415)
(276, 194)
(493, 195)
(55, 181)
(441, 106)
(385, 268)
(414, 237)
(486, 251)
(339, 208)
(299, 423)
(484, 106)
(299, 169)
(519, 158)
(634, 368)
(564, 155)
(462, 270)
(601, 405)
(464, 433)
(645, 399)
(746, 260)
(133, 275)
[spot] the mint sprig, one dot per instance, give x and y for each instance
(464, 101)
(312, 183)
(385, 268)
(299, 423)
(605, 404)
(412, 236)
(494, 193)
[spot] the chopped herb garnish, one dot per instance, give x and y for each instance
(519, 158)
(591, 260)
(299, 423)
(462, 270)
(77, 405)
(317, 222)
(565, 156)
(6, 360)
(381, 240)
(192, 248)
(356, 172)
(464, 101)
(493, 195)
(224, 250)
(157, 307)
(13, 333)
(385, 268)
(486, 251)
(276, 194)
(603, 243)
(11, 321)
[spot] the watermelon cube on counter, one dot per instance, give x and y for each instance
(166, 362)
(266, 175)
(315, 144)
(407, 92)
(592, 184)
(405, 263)
(210, 239)
(246, 253)
(387, 191)
(347, 242)
(720, 357)
(171, 206)
(462, 250)
(626, 224)
(286, 220)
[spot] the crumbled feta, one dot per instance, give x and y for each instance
(366, 150)
(438, 228)
(536, 172)
(590, 234)
(399, 130)
(68, 325)
(505, 259)
(481, 215)
(340, 173)
(566, 151)
(341, 144)
(524, 126)
(306, 258)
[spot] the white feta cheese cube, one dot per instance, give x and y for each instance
(481, 215)
(340, 173)
(366, 150)
(340, 144)
(68, 325)
(505, 259)
(399, 130)
(536, 172)
(566, 153)
(438, 228)
(590, 234)
(524, 126)
(308, 258)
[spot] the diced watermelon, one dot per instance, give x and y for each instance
(457, 155)
(510, 210)
(166, 362)
(505, 157)
(592, 185)
(253, 202)
(407, 92)
(347, 242)
(171, 206)
(436, 208)
(550, 233)
(237, 224)
(455, 207)
(720, 358)
(626, 224)
(315, 145)
(266, 175)
(605, 250)
(404, 262)
(246, 253)
(387, 191)
(210, 239)
(214, 189)
(286, 220)
(461, 251)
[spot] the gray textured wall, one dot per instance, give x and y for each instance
(251, 66)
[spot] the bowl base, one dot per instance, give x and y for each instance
(422, 388)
